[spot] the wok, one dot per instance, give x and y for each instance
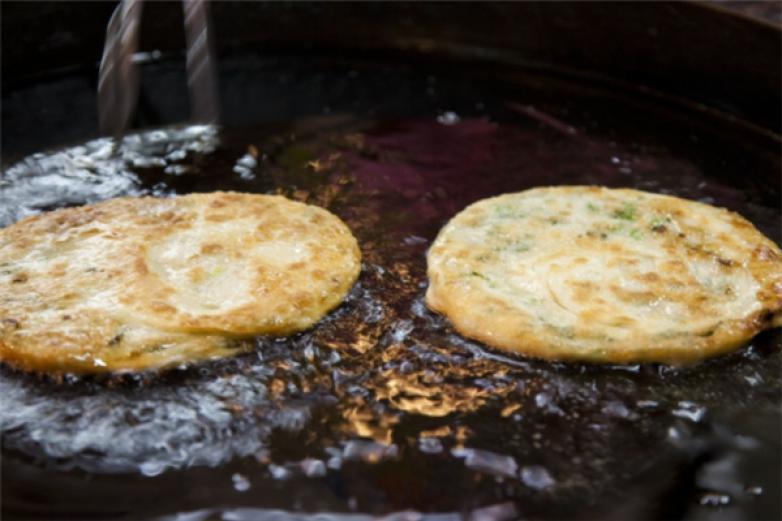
(395, 116)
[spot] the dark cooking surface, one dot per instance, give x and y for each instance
(381, 407)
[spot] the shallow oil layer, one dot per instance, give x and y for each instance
(382, 407)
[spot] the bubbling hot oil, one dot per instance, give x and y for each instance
(383, 387)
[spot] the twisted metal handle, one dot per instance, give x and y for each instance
(118, 77)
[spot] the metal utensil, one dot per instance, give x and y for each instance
(118, 79)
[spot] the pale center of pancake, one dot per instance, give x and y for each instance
(213, 268)
(643, 290)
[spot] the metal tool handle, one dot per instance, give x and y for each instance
(118, 78)
(201, 76)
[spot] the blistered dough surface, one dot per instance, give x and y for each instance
(133, 283)
(608, 275)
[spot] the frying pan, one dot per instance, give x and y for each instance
(395, 116)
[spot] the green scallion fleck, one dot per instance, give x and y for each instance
(626, 212)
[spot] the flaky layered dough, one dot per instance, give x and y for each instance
(605, 275)
(136, 283)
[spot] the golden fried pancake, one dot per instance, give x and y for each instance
(595, 274)
(135, 283)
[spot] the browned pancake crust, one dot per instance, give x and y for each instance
(135, 283)
(605, 275)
